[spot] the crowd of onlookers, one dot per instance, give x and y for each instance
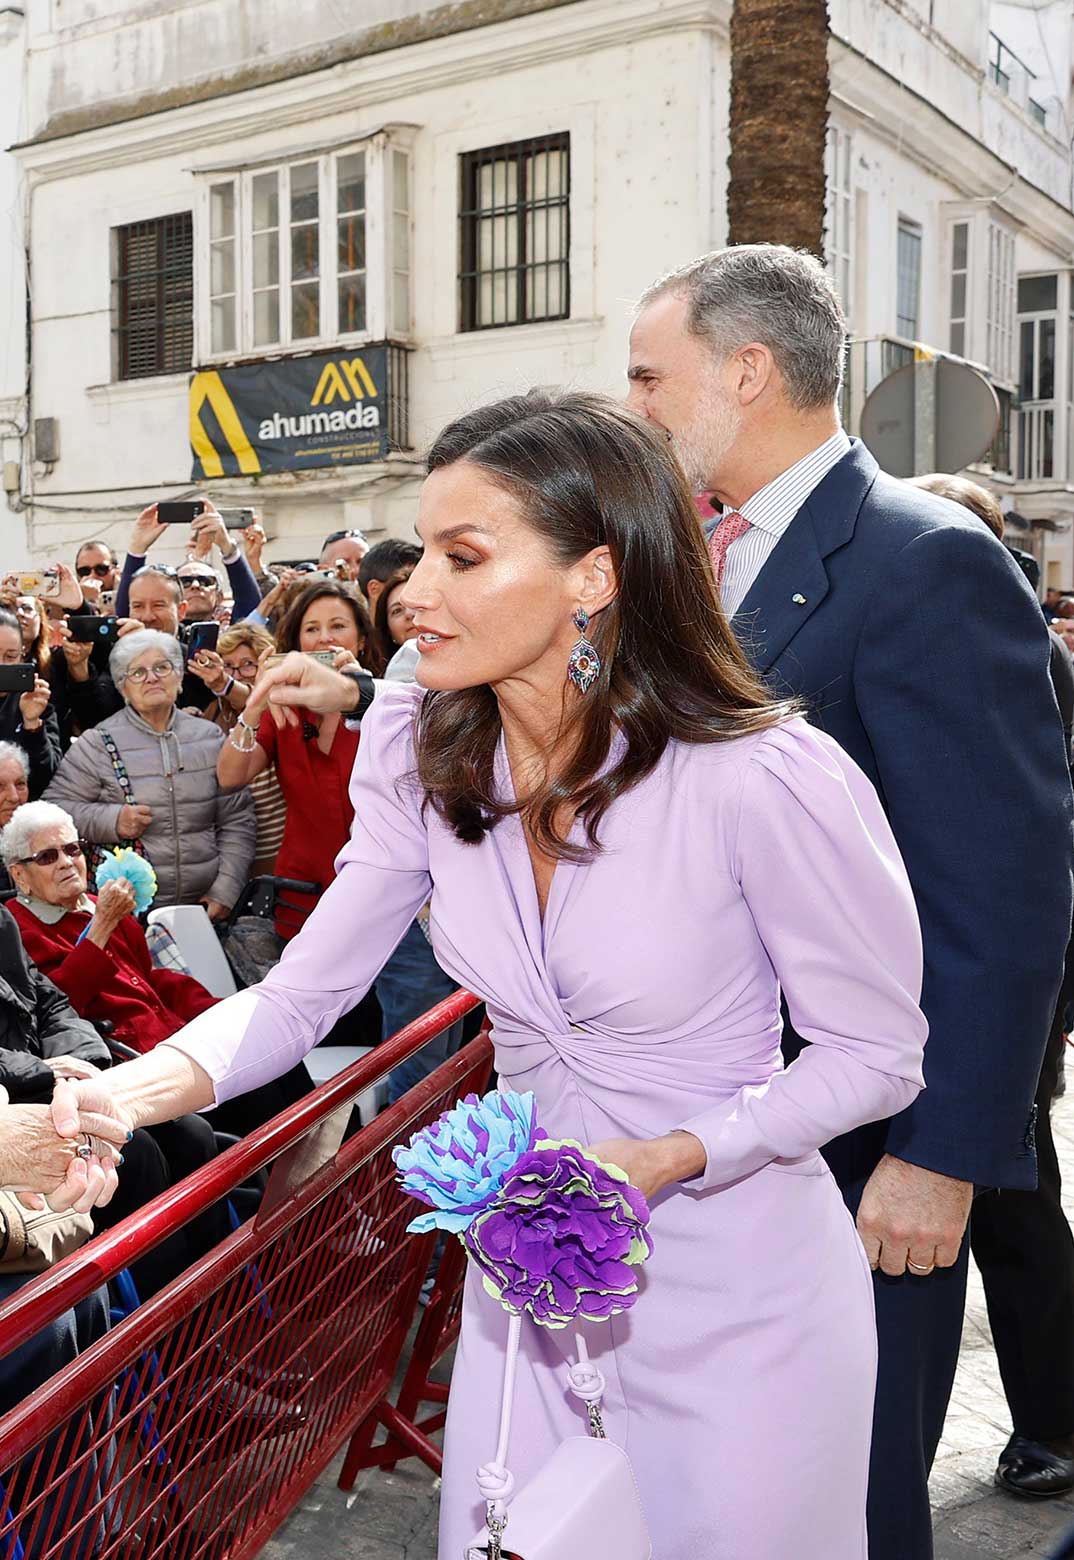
(128, 719)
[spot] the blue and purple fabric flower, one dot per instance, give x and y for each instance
(552, 1231)
(138, 871)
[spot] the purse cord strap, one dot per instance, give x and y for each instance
(495, 1480)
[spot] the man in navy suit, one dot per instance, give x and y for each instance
(913, 639)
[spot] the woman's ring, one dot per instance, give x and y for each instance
(914, 1268)
(84, 1151)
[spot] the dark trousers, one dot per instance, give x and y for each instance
(919, 1330)
(1024, 1248)
(155, 1159)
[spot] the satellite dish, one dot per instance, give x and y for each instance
(931, 415)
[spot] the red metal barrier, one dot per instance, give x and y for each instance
(191, 1430)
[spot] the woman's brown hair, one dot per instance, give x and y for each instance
(287, 632)
(588, 473)
(386, 645)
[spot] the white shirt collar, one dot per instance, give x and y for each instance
(773, 507)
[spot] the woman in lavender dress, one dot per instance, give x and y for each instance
(629, 875)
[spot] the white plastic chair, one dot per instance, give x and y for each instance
(199, 945)
(325, 1061)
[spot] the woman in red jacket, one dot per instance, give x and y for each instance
(95, 951)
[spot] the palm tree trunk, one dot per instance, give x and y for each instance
(778, 122)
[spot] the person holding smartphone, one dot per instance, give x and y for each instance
(26, 714)
(207, 529)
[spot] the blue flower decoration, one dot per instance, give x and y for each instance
(459, 1163)
(136, 869)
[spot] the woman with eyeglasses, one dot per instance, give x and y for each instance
(229, 672)
(148, 774)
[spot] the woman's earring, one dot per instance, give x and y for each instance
(583, 668)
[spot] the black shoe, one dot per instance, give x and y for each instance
(1031, 1469)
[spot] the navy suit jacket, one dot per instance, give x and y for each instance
(913, 639)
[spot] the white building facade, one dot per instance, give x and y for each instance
(396, 220)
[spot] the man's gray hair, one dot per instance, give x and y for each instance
(10, 752)
(27, 821)
(152, 571)
(131, 646)
(769, 293)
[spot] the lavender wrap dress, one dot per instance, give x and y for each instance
(741, 1383)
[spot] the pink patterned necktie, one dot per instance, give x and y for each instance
(731, 526)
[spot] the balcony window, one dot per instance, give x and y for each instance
(908, 279)
(308, 251)
(960, 277)
(514, 234)
(838, 202)
(153, 296)
(1037, 320)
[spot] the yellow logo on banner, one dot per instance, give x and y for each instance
(209, 387)
(331, 382)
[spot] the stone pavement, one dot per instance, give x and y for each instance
(393, 1516)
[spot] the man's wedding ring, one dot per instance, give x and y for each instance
(914, 1268)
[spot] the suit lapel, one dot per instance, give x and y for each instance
(794, 580)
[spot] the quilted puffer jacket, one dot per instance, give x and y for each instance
(201, 839)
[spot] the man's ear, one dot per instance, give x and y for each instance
(756, 370)
(181, 609)
(597, 582)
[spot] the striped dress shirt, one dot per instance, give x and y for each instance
(770, 511)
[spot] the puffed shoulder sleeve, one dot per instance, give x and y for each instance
(826, 888)
(382, 881)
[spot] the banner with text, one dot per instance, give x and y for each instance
(326, 410)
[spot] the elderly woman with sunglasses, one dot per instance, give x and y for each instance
(148, 774)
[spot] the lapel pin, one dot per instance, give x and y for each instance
(798, 599)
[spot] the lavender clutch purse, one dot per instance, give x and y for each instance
(582, 1504)
(557, 1236)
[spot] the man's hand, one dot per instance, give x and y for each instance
(208, 530)
(147, 530)
(69, 594)
(299, 682)
(253, 543)
(134, 819)
(32, 705)
(912, 1218)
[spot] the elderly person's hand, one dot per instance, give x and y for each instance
(71, 1067)
(35, 1157)
(134, 819)
(33, 704)
(115, 901)
(208, 666)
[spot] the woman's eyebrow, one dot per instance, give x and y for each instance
(453, 532)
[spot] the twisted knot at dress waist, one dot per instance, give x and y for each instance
(713, 1066)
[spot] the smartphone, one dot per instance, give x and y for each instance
(179, 511)
(17, 678)
(326, 657)
(202, 636)
(237, 517)
(93, 630)
(37, 582)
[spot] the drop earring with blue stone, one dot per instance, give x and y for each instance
(583, 668)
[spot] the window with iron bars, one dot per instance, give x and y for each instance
(153, 296)
(514, 234)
